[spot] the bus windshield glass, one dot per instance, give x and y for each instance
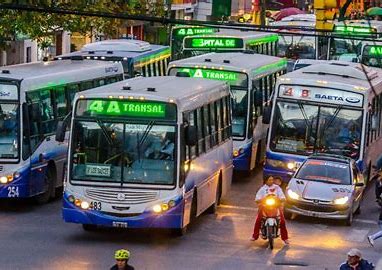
(345, 49)
(302, 128)
(9, 128)
(372, 55)
(239, 111)
(296, 47)
(137, 146)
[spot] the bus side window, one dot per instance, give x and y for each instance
(219, 119)
(207, 130)
(229, 106)
(199, 117)
(86, 85)
(226, 111)
(71, 90)
(211, 108)
(60, 105)
(144, 71)
(192, 122)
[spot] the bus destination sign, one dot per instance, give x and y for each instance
(188, 31)
(211, 43)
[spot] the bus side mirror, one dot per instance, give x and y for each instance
(267, 115)
(60, 131)
(191, 136)
(258, 98)
(35, 112)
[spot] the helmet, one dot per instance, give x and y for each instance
(122, 254)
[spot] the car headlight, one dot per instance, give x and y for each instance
(293, 195)
(341, 201)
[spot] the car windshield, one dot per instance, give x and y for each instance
(303, 129)
(345, 49)
(128, 152)
(239, 112)
(296, 47)
(325, 171)
(9, 146)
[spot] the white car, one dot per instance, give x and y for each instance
(326, 186)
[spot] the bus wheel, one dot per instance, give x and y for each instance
(213, 208)
(48, 187)
(179, 232)
(89, 227)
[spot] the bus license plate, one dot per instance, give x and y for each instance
(119, 224)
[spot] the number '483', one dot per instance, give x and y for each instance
(96, 205)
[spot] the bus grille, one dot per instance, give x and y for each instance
(121, 197)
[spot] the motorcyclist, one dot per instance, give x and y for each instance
(122, 257)
(269, 188)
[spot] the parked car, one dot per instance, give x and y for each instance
(326, 186)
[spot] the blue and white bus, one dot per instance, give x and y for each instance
(33, 98)
(148, 153)
(325, 108)
(139, 58)
(252, 78)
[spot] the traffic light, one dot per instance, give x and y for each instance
(324, 14)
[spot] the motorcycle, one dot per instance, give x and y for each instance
(270, 223)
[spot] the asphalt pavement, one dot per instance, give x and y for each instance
(35, 237)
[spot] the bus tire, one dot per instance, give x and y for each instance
(214, 207)
(49, 187)
(89, 227)
(179, 232)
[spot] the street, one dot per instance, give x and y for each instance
(35, 237)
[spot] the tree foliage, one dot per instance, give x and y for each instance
(37, 26)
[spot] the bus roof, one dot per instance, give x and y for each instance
(125, 48)
(342, 75)
(255, 63)
(306, 21)
(187, 93)
(38, 74)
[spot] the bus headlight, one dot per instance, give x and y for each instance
(84, 205)
(291, 165)
(163, 207)
(341, 201)
(9, 178)
(238, 152)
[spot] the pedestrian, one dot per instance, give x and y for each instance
(122, 257)
(378, 234)
(355, 262)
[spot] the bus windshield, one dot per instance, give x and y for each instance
(303, 128)
(125, 152)
(372, 55)
(296, 47)
(9, 128)
(345, 49)
(9, 141)
(239, 111)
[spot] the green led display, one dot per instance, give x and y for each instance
(353, 29)
(195, 31)
(127, 108)
(213, 43)
(211, 74)
(373, 50)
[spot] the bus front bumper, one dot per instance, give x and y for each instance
(173, 218)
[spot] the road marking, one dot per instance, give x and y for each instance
(366, 221)
(237, 207)
(357, 235)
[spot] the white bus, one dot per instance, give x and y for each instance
(139, 58)
(148, 153)
(325, 108)
(230, 40)
(252, 78)
(33, 98)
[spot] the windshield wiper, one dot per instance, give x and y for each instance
(330, 122)
(144, 137)
(105, 131)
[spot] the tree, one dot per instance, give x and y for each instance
(39, 26)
